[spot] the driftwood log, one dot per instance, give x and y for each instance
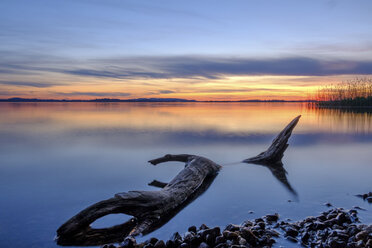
(272, 157)
(152, 209)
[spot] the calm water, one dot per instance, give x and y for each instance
(58, 158)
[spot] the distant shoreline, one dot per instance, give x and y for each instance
(140, 100)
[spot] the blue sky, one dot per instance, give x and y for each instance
(73, 41)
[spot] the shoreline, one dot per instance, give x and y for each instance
(335, 228)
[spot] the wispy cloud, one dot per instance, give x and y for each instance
(218, 67)
(194, 67)
(166, 91)
(29, 84)
(97, 94)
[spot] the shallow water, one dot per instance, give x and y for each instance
(58, 158)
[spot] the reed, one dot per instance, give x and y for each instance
(352, 93)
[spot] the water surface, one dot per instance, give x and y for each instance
(58, 158)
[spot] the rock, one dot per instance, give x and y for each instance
(292, 239)
(210, 239)
(360, 244)
(305, 237)
(342, 218)
(232, 227)
(192, 229)
(369, 199)
(230, 235)
(129, 242)
(242, 241)
(319, 225)
(176, 238)
(369, 243)
(203, 227)
(152, 241)
(361, 235)
(160, 244)
(184, 245)
(272, 217)
(188, 236)
(222, 245)
(203, 245)
(170, 244)
(249, 236)
(220, 239)
(359, 208)
(290, 231)
(327, 204)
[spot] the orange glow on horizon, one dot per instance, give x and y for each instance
(224, 88)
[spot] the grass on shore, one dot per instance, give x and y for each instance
(354, 93)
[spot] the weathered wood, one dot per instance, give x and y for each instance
(152, 209)
(158, 184)
(272, 157)
(147, 207)
(275, 153)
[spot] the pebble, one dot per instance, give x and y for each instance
(334, 228)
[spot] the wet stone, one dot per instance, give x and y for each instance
(160, 244)
(170, 244)
(203, 245)
(290, 231)
(220, 239)
(292, 239)
(176, 238)
(361, 235)
(249, 236)
(232, 227)
(192, 229)
(203, 227)
(184, 245)
(152, 241)
(129, 242)
(272, 217)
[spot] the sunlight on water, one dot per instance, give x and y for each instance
(58, 158)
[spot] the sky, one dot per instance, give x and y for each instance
(203, 50)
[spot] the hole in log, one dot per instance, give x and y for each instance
(110, 220)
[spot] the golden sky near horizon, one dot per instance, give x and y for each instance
(225, 88)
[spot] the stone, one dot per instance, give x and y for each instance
(192, 229)
(203, 245)
(290, 231)
(272, 217)
(160, 244)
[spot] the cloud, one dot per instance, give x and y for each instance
(166, 91)
(191, 67)
(217, 67)
(30, 84)
(98, 94)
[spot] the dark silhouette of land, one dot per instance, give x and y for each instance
(18, 99)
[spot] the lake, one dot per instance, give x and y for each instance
(58, 158)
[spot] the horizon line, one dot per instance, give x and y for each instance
(20, 99)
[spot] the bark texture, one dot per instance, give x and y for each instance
(152, 209)
(148, 208)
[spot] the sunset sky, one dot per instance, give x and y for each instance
(203, 50)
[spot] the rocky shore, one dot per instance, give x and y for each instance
(336, 228)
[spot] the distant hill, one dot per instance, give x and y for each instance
(18, 99)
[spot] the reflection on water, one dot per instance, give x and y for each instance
(356, 120)
(280, 174)
(58, 158)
